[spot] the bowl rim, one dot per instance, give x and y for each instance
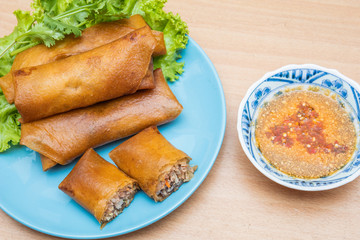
(250, 157)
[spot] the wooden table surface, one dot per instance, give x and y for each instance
(245, 39)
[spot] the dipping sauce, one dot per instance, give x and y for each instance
(305, 134)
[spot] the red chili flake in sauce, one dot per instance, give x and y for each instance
(304, 127)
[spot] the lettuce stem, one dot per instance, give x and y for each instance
(19, 50)
(74, 11)
(7, 48)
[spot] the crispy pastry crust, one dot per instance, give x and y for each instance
(66, 136)
(93, 182)
(93, 37)
(148, 157)
(107, 72)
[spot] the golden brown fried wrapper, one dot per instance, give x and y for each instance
(148, 80)
(149, 158)
(7, 86)
(107, 72)
(47, 163)
(66, 136)
(92, 37)
(97, 184)
(147, 83)
(160, 48)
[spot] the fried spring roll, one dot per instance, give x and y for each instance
(99, 187)
(158, 166)
(147, 83)
(93, 37)
(66, 136)
(101, 74)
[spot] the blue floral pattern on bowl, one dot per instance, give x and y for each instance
(259, 93)
(335, 85)
(294, 76)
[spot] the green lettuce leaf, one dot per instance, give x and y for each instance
(9, 125)
(52, 20)
(7, 43)
(175, 35)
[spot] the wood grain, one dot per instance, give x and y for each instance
(245, 39)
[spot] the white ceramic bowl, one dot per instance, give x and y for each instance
(303, 75)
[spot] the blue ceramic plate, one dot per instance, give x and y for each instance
(32, 197)
(329, 81)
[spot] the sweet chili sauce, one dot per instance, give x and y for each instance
(304, 127)
(305, 134)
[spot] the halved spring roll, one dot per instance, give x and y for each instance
(101, 74)
(158, 166)
(100, 187)
(93, 37)
(66, 136)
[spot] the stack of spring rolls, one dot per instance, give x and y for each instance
(85, 92)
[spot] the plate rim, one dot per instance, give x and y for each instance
(180, 201)
(243, 144)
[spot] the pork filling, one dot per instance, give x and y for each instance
(118, 202)
(171, 182)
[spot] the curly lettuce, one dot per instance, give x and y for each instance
(52, 20)
(9, 126)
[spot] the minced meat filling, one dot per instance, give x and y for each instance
(118, 202)
(177, 175)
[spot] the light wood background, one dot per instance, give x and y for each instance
(245, 39)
